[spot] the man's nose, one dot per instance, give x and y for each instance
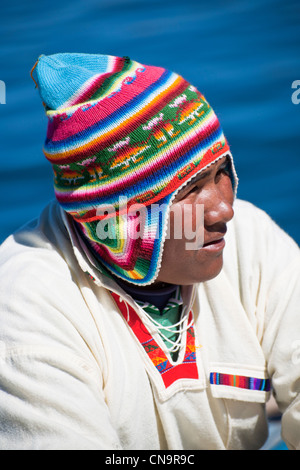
(218, 207)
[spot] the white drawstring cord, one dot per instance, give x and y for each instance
(179, 331)
(176, 344)
(127, 309)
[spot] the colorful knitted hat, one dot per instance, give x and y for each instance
(121, 131)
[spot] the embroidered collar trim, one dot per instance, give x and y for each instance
(170, 373)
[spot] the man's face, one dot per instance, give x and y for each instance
(212, 189)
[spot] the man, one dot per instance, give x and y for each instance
(147, 307)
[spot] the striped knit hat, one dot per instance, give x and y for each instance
(122, 133)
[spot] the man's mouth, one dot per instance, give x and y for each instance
(214, 245)
(213, 242)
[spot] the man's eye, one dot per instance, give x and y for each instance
(190, 191)
(225, 169)
(185, 193)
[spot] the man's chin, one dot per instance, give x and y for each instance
(188, 278)
(206, 275)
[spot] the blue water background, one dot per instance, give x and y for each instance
(243, 55)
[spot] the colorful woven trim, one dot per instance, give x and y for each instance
(168, 372)
(239, 381)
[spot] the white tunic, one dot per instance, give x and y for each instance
(81, 367)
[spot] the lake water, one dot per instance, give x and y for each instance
(243, 55)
